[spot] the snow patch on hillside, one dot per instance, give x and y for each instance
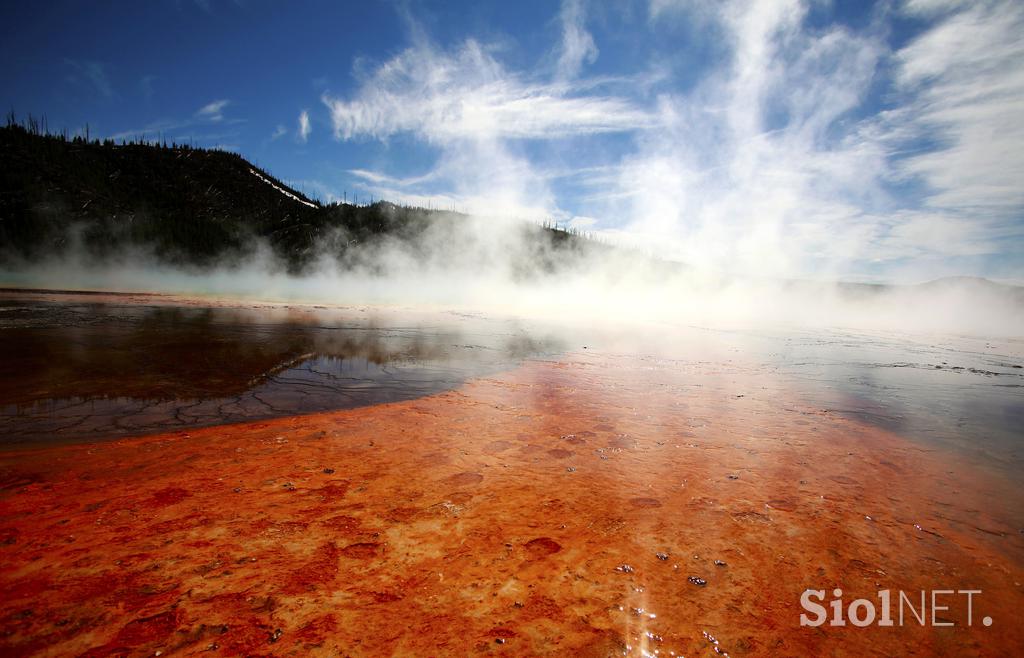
(281, 190)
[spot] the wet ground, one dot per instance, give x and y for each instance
(76, 367)
(598, 501)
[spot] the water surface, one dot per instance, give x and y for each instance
(93, 370)
(613, 491)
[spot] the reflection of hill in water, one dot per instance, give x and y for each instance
(79, 371)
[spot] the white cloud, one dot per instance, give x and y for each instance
(472, 109)
(372, 176)
(213, 111)
(304, 126)
(917, 234)
(381, 178)
(928, 8)
(965, 85)
(279, 132)
(578, 47)
(583, 223)
(466, 94)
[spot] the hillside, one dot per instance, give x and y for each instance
(200, 207)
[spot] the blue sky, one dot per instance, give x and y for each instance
(865, 141)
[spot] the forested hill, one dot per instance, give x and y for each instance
(198, 207)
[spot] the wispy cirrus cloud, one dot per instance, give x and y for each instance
(577, 47)
(208, 117)
(213, 111)
(467, 94)
(964, 84)
(304, 126)
(467, 104)
(90, 74)
(382, 178)
(146, 88)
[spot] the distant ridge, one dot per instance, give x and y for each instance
(965, 281)
(196, 207)
(975, 285)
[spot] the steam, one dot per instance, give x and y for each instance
(771, 165)
(741, 200)
(505, 269)
(826, 151)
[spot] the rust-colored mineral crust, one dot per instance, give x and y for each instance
(593, 506)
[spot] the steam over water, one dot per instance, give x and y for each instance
(88, 369)
(502, 269)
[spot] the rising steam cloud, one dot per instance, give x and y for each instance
(770, 178)
(779, 161)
